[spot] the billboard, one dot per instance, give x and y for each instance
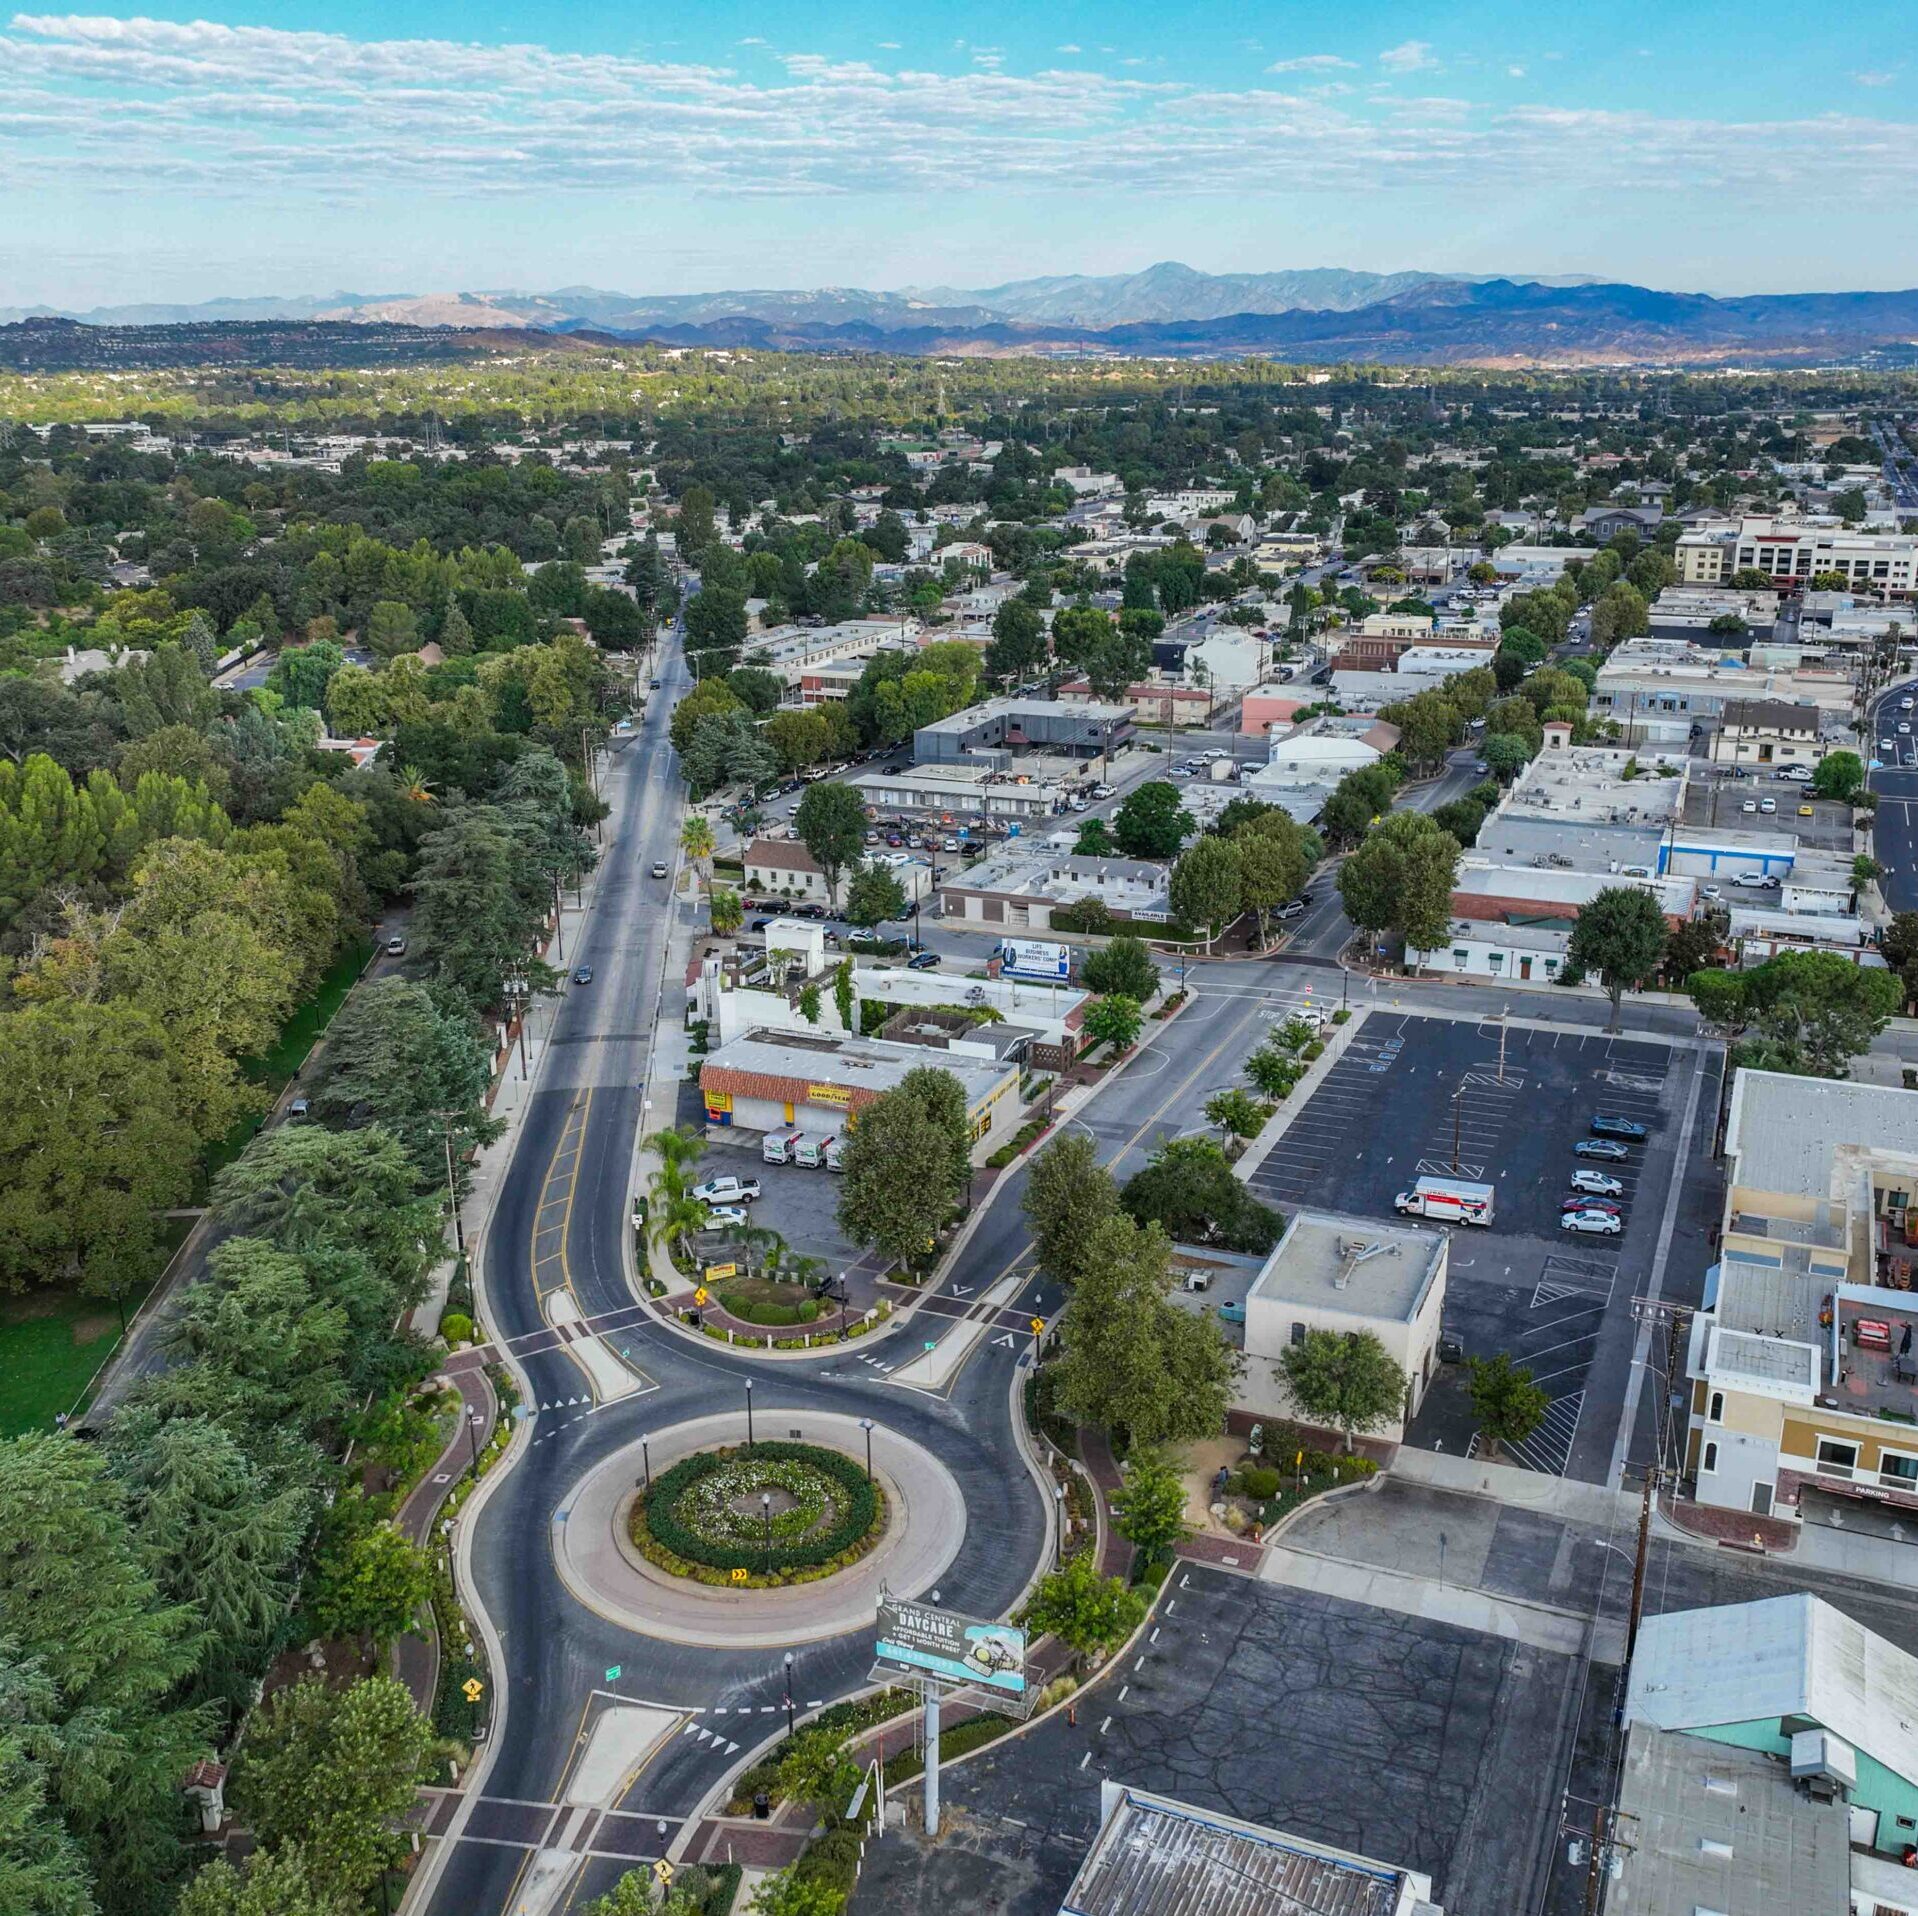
(1023, 958)
(943, 1644)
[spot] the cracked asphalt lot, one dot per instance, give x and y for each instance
(1416, 1743)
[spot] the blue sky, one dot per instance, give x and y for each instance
(294, 147)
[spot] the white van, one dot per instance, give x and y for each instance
(779, 1146)
(811, 1150)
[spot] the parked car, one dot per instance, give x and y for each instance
(1750, 805)
(1608, 1124)
(1904, 728)
(1293, 908)
(582, 974)
(1605, 1148)
(759, 924)
(1602, 1183)
(396, 946)
(1808, 811)
(727, 1190)
(1885, 745)
(1580, 1202)
(1755, 881)
(718, 1216)
(1103, 791)
(1768, 805)
(1592, 1223)
(924, 961)
(1798, 774)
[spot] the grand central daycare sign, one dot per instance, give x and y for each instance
(941, 1643)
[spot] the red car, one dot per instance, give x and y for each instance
(1584, 1203)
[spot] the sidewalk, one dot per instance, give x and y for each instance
(416, 1657)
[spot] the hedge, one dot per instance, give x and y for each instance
(973, 1734)
(656, 1512)
(751, 1311)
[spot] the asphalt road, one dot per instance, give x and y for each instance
(1894, 825)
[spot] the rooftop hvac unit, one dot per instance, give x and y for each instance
(1826, 1764)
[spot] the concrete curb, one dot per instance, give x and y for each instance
(1300, 1095)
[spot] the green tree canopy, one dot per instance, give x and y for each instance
(1347, 1381)
(1150, 822)
(1399, 881)
(831, 824)
(1620, 936)
(1068, 1195)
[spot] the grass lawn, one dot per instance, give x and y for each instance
(52, 1345)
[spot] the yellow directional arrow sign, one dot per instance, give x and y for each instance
(700, 1295)
(1038, 1325)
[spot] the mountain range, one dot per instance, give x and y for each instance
(1317, 314)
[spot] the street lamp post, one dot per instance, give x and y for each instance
(766, 1515)
(473, 1422)
(789, 1695)
(865, 1424)
(1058, 1526)
(749, 1413)
(646, 1458)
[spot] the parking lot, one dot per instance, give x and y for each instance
(1392, 1736)
(1717, 801)
(798, 1203)
(1417, 1097)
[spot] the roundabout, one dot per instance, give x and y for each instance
(794, 1514)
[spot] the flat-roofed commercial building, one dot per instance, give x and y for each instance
(993, 734)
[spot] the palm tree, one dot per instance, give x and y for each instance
(697, 842)
(416, 787)
(677, 1146)
(675, 1216)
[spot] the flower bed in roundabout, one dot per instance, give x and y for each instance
(705, 1518)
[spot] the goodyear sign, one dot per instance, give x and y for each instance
(839, 1094)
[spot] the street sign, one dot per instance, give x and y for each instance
(739, 1576)
(700, 1295)
(472, 1689)
(612, 1674)
(1038, 1326)
(942, 1643)
(663, 1870)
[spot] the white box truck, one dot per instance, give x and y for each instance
(811, 1151)
(835, 1154)
(779, 1146)
(1450, 1200)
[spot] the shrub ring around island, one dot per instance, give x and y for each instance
(703, 1519)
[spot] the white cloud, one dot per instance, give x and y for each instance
(1069, 48)
(1515, 73)
(281, 120)
(1311, 63)
(1879, 77)
(1409, 56)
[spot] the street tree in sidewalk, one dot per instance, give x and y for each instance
(1236, 1112)
(831, 824)
(1205, 889)
(1122, 965)
(874, 896)
(1068, 1195)
(1506, 754)
(696, 840)
(817, 1770)
(1399, 881)
(335, 1771)
(1114, 1019)
(897, 1186)
(1150, 822)
(1150, 1511)
(1619, 938)
(1346, 1381)
(1130, 1360)
(1276, 856)
(1085, 1611)
(1506, 1402)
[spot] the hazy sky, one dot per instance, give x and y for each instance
(289, 146)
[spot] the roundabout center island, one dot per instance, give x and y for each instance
(696, 1535)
